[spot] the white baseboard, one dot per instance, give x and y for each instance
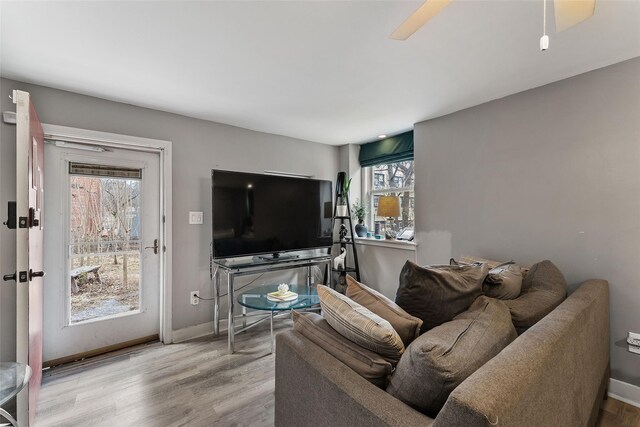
(197, 331)
(627, 393)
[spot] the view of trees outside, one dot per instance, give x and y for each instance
(394, 179)
(105, 246)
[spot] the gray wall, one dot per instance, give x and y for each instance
(198, 146)
(553, 173)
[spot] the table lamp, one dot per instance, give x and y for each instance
(389, 208)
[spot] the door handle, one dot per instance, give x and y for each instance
(9, 277)
(33, 274)
(154, 247)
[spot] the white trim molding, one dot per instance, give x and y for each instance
(625, 392)
(394, 244)
(105, 139)
(198, 331)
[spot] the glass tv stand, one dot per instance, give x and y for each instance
(257, 265)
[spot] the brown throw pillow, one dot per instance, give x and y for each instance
(365, 362)
(436, 294)
(543, 289)
(503, 281)
(406, 325)
(442, 358)
(360, 325)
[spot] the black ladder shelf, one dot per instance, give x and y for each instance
(345, 241)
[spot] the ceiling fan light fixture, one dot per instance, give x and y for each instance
(544, 42)
(417, 19)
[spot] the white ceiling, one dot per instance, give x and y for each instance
(322, 71)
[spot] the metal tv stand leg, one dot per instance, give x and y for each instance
(231, 330)
(216, 303)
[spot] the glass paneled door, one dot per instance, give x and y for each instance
(105, 240)
(104, 277)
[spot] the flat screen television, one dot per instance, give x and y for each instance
(256, 214)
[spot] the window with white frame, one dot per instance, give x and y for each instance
(390, 179)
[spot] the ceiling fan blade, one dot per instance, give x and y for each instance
(572, 12)
(417, 19)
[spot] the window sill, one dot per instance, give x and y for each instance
(395, 244)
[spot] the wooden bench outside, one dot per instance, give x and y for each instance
(77, 273)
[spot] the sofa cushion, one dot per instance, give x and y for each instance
(469, 259)
(360, 325)
(543, 289)
(503, 281)
(365, 362)
(406, 325)
(440, 359)
(436, 294)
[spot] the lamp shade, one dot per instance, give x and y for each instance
(388, 206)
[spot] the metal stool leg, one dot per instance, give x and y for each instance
(8, 417)
(272, 339)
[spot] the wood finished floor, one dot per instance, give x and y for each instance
(189, 384)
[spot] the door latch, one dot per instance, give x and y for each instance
(154, 247)
(33, 221)
(11, 218)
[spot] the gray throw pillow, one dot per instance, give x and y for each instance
(503, 281)
(436, 294)
(442, 358)
(543, 289)
(365, 362)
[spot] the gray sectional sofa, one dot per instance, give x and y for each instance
(553, 374)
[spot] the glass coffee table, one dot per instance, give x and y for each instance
(256, 299)
(13, 378)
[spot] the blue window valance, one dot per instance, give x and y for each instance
(397, 148)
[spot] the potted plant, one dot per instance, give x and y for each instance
(359, 212)
(343, 195)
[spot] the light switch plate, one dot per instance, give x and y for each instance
(195, 217)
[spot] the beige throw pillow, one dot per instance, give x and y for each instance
(406, 325)
(360, 325)
(503, 281)
(368, 364)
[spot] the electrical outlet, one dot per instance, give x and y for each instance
(193, 296)
(634, 342)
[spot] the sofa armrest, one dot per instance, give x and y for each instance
(313, 388)
(553, 374)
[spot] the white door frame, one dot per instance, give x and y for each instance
(163, 148)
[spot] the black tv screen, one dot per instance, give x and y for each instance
(268, 214)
